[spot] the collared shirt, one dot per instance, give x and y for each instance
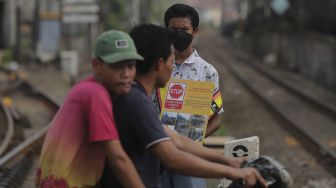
(197, 69)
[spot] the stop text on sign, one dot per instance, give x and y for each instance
(176, 91)
(175, 95)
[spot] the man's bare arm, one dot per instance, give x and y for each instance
(121, 165)
(191, 165)
(213, 125)
(190, 146)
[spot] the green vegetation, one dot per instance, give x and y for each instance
(116, 15)
(156, 10)
(6, 56)
(222, 130)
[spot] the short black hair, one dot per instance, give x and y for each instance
(182, 11)
(152, 42)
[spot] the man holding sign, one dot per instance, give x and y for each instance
(146, 140)
(188, 65)
(184, 20)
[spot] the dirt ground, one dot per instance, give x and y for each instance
(245, 116)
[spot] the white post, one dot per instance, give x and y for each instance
(11, 22)
(246, 147)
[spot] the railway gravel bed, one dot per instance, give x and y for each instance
(245, 115)
(35, 110)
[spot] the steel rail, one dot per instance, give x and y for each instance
(24, 146)
(10, 129)
(310, 142)
(16, 163)
(329, 108)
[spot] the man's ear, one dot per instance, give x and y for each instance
(160, 64)
(195, 31)
(96, 64)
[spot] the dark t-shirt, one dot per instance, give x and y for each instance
(139, 128)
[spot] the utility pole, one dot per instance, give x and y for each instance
(36, 22)
(134, 12)
(145, 7)
(17, 49)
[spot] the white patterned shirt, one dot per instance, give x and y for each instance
(197, 69)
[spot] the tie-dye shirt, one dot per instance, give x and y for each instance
(71, 156)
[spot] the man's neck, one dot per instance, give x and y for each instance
(180, 57)
(98, 79)
(147, 82)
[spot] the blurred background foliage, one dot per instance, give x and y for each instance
(6, 56)
(116, 13)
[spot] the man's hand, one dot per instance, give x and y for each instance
(250, 177)
(235, 162)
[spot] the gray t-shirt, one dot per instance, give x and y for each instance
(139, 128)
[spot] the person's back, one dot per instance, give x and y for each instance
(139, 129)
(83, 133)
(69, 154)
(136, 118)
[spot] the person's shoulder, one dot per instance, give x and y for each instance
(206, 66)
(88, 87)
(134, 101)
(134, 95)
(202, 61)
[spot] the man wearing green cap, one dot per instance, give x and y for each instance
(143, 135)
(83, 133)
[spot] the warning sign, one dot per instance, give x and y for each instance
(185, 107)
(176, 91)
(175, 95)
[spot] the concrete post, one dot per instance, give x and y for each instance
(135, 12)
(11, 22)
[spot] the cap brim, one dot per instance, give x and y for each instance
(117, 57)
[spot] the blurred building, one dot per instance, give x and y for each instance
(209, 11)
(296, 35)
(7, 23)
(49, 30)
(234, 10)
(12, 12)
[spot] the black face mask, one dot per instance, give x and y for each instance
(183, 39)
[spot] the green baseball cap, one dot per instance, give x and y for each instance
(115, 46)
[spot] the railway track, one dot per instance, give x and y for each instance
(317, 96)
(7, 125)
(27, 130)
(310, 115)
(24, 156)
(302, 110)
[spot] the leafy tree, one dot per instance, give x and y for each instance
(115, 12)
(114, 15)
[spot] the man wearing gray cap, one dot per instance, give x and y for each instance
(83, 133)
